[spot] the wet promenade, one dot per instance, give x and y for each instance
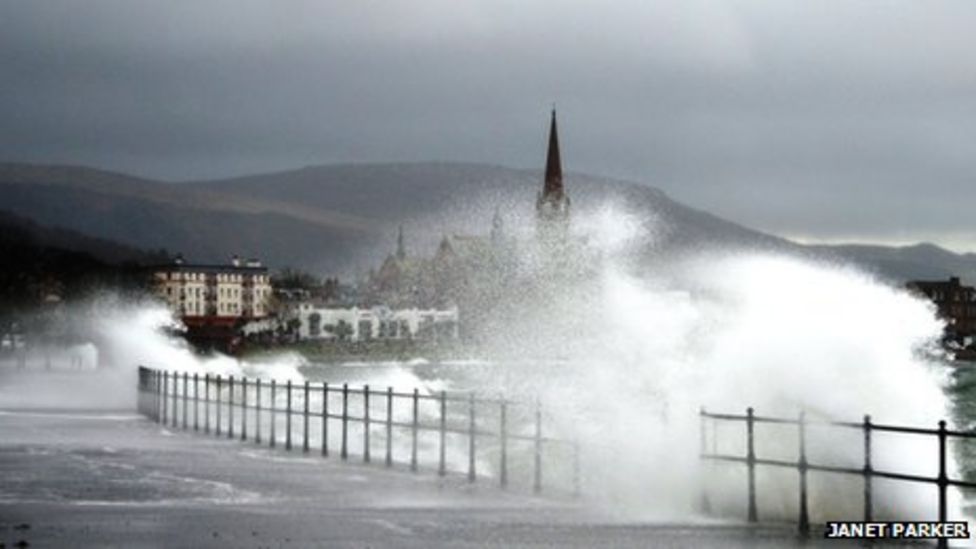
(106, 477)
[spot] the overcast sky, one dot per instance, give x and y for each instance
(820, 120)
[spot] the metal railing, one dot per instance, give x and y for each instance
(803, 465)
(252, 408)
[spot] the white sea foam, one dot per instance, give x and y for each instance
(646, 347)
(624, 358)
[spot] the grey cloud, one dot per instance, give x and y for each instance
(818, 119)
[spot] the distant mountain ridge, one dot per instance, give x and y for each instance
(22, 232)
(43, 261)
(339, 219)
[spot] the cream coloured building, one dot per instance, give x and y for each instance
(236, 290)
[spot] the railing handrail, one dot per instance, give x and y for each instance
(834, 423)
(803, 465)
(166, 396)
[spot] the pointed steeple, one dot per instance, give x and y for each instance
(401, 252)
(552, 206)
(554, 168)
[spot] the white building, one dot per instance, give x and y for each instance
(364, 324)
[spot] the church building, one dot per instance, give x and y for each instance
(472, 271)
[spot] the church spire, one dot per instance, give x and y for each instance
(552, 206)
(554, 169)
(401, 252)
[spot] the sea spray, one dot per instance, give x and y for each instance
(624, 347)
(644, 346)
(779, 334)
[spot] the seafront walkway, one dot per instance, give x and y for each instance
(85, 475)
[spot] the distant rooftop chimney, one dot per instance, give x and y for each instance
(236, 260)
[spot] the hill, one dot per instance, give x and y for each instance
(340, 219)
(38, 261)
(202, 225)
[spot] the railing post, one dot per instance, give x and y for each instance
(701, 432)
(804, 521)
(414, 429)
(705, 504)
(149, 400)
(868, 472)
(146, 391)
(169, 387)
(243, 408)
(273, 438)
(366, 423)
(288, 415)
(165, 399)
(344, 447)
(141, 390)
(165, 396)
(196, 401)
(175, 407)
(159, 401)
(159, 388)
(146, 385)
(217, 405)
(305, 420)
(257, 411)
(442, 466)
(503, 442)
(715, 424)
(537, 478)
(230, 406)
(206, 403)
(943, 478)
(142, 397)
(471, 439)
(389, 426)
(186, 393)
(325, 418)
(753, 514)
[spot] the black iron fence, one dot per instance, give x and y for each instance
(456, 431)
(803, 466)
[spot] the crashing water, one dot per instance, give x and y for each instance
(627, 358)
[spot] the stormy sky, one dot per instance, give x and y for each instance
(819, 120)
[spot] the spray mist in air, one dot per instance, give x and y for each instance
(641, 346)
(623, 347)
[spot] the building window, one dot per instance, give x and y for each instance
(314, 325)
(365, 330)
